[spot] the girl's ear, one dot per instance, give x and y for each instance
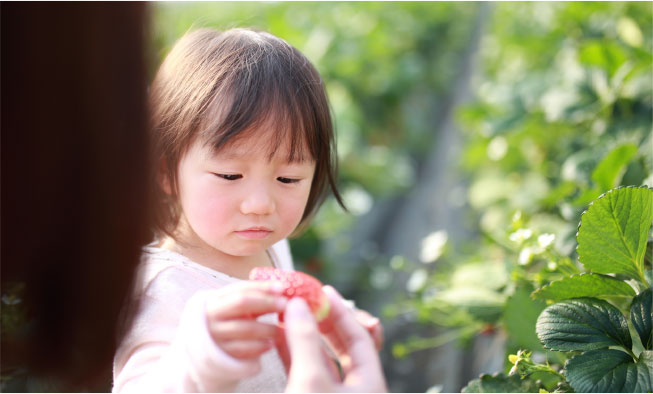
(163, 178)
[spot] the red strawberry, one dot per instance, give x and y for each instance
(297, 284)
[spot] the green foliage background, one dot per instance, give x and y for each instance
(561, 112)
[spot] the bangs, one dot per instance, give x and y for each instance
(273, 128)
(270, 95)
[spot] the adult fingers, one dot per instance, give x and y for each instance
(372, 325)
(331, 365)
(377, 335)
(344, 332)
(305, 348)
(222, 330)
(302, 335)
(356, 352)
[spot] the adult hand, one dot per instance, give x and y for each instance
(372, 325)
(354, 347)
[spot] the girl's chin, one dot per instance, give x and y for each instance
(249, 250)
(238, 247)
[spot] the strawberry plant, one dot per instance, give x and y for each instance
(589, 313)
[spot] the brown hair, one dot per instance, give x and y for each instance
(74, 103)
(218, 86)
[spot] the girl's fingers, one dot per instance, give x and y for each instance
(282, 349)
(244, 302)
(224, 330)
(246, 348)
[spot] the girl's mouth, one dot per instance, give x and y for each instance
(254, 233)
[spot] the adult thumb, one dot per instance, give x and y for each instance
(305, 345)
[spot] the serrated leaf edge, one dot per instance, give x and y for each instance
(535, 292)
(580, 222)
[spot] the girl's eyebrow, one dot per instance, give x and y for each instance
(227, 154)
(244, 154)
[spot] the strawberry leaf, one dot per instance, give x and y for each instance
(582, 324)
(640, 315)
(610, 371)
(584, 285)
(613, 232)
(501, 383)
(608, 172)
(519, 317)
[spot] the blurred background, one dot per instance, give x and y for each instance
(471, 137)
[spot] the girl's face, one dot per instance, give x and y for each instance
(238, 201)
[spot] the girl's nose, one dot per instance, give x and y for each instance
(258, 201)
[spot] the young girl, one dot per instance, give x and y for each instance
(244, 142)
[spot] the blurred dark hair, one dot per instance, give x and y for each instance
(74, 184)
(216, 87)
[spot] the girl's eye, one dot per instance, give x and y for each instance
(287, 180)
(229, 177)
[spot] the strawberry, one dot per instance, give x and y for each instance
(297, 284)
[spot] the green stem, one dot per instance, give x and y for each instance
(642, 277)
(438, 340)
(546, 368)
(498, 242)
(630, 352)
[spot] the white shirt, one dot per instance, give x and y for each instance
(168, 347)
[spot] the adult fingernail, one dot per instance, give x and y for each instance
(297, 309)
(331, 290)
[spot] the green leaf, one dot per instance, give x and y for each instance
(609, 371)
(605, 55)
(613, 232)
(500, 383)
(584, 285)
(608, 172)
(640, 315)
(520, 316)
(582, 324)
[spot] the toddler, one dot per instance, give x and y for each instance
(244, 150)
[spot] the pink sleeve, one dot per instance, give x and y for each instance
(190, 362)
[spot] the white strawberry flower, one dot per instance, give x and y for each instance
(433, 246)
(545, 240)
(521, 235)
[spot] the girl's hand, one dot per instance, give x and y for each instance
(372, 325)
(232, 315)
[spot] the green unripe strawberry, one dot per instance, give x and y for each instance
(297, 284)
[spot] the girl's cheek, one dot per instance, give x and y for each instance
(294, 207)
(207, 208)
